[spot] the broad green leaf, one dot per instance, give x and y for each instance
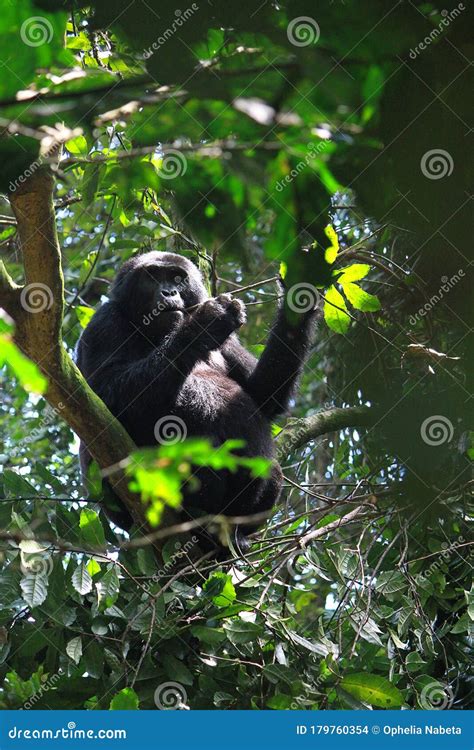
(176, 670)
(108, 589)
(27, 373)
(355, 272)
(239, 631)
(391, 581)
(125, 700)
(84, 314)
(220, 589)
(373, 689)
(361, 299)
(335, 309)
(91, 528)
(81, 579)
(74, 649)
(34, 589)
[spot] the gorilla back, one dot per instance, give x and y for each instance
(152, 358)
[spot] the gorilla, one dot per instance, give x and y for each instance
(161, 348)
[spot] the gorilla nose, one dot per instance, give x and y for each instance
(169, 292)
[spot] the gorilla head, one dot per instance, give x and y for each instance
(156, 289)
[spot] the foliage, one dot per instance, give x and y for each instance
(220, 137)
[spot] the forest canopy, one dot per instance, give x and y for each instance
(323, 143)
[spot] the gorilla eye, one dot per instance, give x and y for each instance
(180, 278)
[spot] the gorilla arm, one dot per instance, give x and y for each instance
(271, 380)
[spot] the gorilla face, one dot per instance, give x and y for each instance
(155, 290)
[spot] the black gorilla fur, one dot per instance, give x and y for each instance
(147, 357)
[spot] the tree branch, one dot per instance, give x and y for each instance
(38, 322)
(298, 432)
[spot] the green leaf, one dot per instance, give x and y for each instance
(220, 589)
(335, 311)
(373, 689)
(176, 670)
(330, 253)
(91, 528)
(27, 373)
(238, 631)
(208, 634)
(355, 272)
(360, 299)
(84, 314)
(125, 700)
(34, 589)
(81, 579)
(74, 649)
(391, 581)
(108, 589)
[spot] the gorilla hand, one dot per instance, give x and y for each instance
(215, 319)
